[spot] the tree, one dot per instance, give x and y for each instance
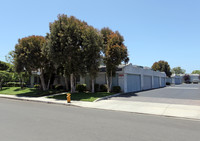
(4, 66)
(4, 76)
(92, 45)
(65, 43)
(196, 72)
(186, 78)
(178, 70)
(28, 56)
(49, 66)
(115, 53)
(162, 66)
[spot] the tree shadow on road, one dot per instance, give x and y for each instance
(126, 95)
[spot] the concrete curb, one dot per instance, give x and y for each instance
(35, 99)
(106, 97)
(160, 109)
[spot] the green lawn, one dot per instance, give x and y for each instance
(82, 96)
(29, 92)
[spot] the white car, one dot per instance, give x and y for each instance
(195, 81)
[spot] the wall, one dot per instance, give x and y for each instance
(144, 72)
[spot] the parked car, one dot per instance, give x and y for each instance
(195, 81)
(187, 81)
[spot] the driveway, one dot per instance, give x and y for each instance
(180, 94)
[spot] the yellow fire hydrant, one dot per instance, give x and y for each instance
(68, 97)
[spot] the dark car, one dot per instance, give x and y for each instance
(188, 82)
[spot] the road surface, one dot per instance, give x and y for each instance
(34, 121)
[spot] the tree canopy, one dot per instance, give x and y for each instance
(92, 45)
(28, 56)
(178, 70)
(65, 43)
(162, 66)
(4, 66)
(115, 52)
(72, 48)
(196, 72)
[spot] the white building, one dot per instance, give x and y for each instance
(131, 78)
(192, 77)
(175, 79)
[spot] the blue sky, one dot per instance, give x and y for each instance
(153, 29)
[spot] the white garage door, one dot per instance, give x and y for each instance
(133, 83)
(163, 83)
(147, 82)
(156, 82)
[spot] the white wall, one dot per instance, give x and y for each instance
(130, 69)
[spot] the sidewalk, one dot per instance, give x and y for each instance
(161, 109)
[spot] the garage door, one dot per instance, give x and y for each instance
(147, 82)
(177, 81)
(163, 84)
(156, 82)
(133, 83)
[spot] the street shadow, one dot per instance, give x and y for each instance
(37, 93)
(136, 93)
(126, 95)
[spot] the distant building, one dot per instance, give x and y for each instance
(192, 77)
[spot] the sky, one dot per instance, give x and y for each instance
(153, 30)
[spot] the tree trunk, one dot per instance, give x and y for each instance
(48, 85)
(1, 85)
(22, 85)
(107, 80)
(66, 83)
(20, 82)
(93, 91)
(72, 82)
(42, 81)
(110, 82)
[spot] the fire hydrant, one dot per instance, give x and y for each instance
(68, 97)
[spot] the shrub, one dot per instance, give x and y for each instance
(168, 83)
(37, 86)
(186, 78)
(96, 87)
(103, 88)
(116, 89)
(13, 84)
(58, 87)
(81, 87)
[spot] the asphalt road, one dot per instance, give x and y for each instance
(183, 91)
(33, 121)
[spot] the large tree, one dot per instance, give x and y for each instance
(65, 43)
(115, 52)
(162, 66)
(92, 45)
(178, 70)
(28, 56)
